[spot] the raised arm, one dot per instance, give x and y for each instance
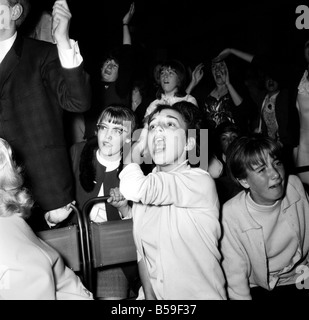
(197, 76)
(237, 99)
(60, 25)
(125, 24)
(240, 54)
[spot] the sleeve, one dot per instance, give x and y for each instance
(29, 279)
(184, 190)
(235, 263)
(68, 284)
(70, 86)
(70, 58)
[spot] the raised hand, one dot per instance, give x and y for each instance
(225, 75)
(222, 55)
(60, 24)
(127, 18)
(198, 73)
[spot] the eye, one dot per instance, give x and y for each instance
(278, 163)
(119, 132)
(151, 127)
(260, 169)
(101, 127)
(171, 124)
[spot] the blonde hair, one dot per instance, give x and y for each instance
(14, 198)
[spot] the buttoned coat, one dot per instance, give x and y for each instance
(34, 90)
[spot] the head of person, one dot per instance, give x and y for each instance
(14, 198)
(138, 93)
(115, 126)
(16, 12)
(255, 162)
(173, 131)
(226, 133)
(271, 84)
(173, 79)
(218, 70)
(110, 66)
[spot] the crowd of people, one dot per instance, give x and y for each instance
(238, 229)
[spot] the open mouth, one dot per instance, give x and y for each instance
(275, 185)
(107, 144)
(159, 144)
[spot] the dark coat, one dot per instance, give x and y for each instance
(34, 90)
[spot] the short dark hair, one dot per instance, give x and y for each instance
(190, 113)
(247, 151)
(118, 114)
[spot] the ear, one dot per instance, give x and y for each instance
(190, 144)
(17, 11)
(244, 183)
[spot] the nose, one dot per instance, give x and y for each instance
(274, 174)
(159, 128)
(109, 134)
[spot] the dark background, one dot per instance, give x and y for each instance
(190, 30)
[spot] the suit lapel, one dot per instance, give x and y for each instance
(10, 61)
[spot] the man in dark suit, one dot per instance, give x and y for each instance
(38, 80)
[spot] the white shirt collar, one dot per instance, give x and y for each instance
(6, 45)
(110, 165)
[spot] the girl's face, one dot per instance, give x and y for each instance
(226, 139)
(218, 70)
(169, 80)
(271, 85)
(167, 142)
(266, 182)
(111, 139)
(109, 71)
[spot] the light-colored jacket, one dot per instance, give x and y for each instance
(30, 269)
(243, 248)
(187, 208)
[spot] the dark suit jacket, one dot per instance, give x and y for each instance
(34, 90)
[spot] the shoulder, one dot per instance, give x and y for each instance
(233, 208)
(191, 99)
(294, 183)
(199, 176)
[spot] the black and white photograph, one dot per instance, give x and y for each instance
(154, 150)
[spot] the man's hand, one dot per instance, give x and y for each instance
(60, 24)
(56, 216)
